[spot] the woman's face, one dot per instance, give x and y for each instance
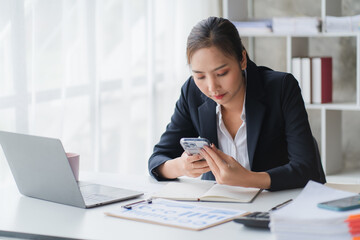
(218, 76)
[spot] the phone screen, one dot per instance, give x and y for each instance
(342, 204)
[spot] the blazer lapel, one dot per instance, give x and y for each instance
(208, 128)
(207, 121)
(254, 107)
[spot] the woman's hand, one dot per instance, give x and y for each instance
(228, 171)
(191, 166)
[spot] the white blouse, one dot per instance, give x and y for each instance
(237, 147)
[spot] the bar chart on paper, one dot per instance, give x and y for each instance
(177, 214)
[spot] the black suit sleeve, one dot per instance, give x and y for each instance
(180, 126)
(302, 165)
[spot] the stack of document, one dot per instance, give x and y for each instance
(342, 24)
(296, 25)
(253, 26)
(302, 219)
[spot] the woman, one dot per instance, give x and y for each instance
(254, 116)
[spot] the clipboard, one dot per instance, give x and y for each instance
(176, 214)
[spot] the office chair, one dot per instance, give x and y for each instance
(318, 162)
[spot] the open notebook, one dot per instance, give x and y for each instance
(207, 191)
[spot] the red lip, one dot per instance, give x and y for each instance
(218, 97)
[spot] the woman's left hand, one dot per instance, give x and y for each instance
(228, 171)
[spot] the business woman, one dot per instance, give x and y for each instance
(255, 118)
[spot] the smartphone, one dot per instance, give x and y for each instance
(342, 204)
(193, 145)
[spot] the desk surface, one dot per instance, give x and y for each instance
(24, 214)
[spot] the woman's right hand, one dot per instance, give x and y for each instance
(191, 166)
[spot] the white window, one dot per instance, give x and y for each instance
(101, 75)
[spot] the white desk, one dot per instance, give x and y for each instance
(23, 214)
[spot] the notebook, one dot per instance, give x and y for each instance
(41, 170)
(208, 191)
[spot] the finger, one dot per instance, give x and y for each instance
(200, 164)
(218, 151)
(201, 170)
(194, 158)
(198, 172)
(216, 158)
(185, 154)
(228, 159)
(205, 169)
(214, 168)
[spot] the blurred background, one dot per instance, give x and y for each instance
(101, 75)
(104, 75)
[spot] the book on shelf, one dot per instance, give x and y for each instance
(301, 69)
(296, 69)
(314, 75)
(207, 191)
(254, 26)
(321, 80)
(342, 24)
(296, 25)
(306, 79)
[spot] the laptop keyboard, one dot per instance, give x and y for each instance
(97, 197)
(94, 193)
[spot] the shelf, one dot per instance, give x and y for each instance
(334, 106)
(320, 34)
(302, 45)
(348, 176)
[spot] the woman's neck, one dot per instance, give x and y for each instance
(236, 105)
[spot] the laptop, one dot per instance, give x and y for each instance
(41, 170)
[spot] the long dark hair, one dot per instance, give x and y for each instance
(218, 32)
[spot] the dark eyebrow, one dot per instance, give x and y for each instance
(224, 65)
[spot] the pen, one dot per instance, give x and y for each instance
(280, 205)
(129, 206)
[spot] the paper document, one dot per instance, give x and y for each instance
(303, 219)
(177, 214)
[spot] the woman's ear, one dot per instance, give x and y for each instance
(243, 63)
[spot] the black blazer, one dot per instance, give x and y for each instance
(279, 137)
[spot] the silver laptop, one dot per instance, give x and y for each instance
(41, 170)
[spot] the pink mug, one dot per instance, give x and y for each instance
(74, 160)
